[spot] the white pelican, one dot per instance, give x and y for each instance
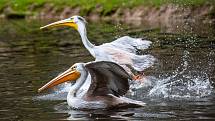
(99, 85)
(121, 51)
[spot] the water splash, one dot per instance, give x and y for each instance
(58, 93)
(182, 83)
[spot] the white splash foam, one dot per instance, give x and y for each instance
(183, 84)
(58, 93)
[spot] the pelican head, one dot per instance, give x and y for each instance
(76, 22)
(72, 74)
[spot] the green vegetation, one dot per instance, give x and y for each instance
(105, 6)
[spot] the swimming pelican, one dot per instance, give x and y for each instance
(99, 85)
(121, 51)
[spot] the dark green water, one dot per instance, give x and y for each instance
(179, 85)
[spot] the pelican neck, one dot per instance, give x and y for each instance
(85, 40)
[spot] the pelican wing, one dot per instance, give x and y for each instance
(131, 45)
(124, 51)
(107, 78)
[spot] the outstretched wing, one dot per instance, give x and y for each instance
(131, 45)
(124, 51)
(107, 78)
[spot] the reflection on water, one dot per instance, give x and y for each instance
(180, 85)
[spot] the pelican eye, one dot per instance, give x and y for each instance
(73, 67)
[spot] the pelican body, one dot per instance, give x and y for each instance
(121, 51)
(99, 85)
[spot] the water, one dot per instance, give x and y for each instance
(180, 85)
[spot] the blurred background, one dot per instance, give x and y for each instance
(179, 86)
(117, 10)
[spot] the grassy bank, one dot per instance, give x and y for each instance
(106, 6)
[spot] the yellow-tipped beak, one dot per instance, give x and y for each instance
(68, 75)
(66, 22)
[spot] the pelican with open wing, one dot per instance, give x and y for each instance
(99, 85)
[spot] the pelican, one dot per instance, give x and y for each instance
(121, 51)
(99, 85)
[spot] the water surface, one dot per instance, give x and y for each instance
(180, 85)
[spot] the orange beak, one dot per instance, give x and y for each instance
(68, 75)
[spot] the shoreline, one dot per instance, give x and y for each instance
(168, 13)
